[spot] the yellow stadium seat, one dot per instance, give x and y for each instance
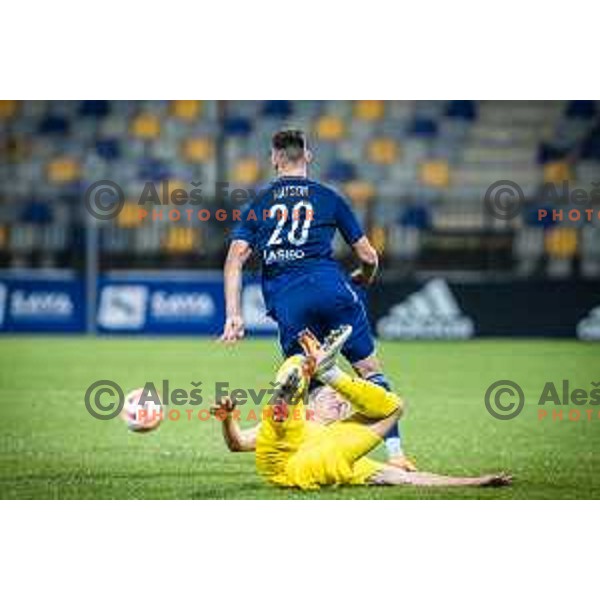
(435, 173)
(188, 110)
(8, 108)
(246, 171)
(561, 242)
(180, 240)
(63, 170)
(369, 110)
(382, 151)
(360, 192)
(378, 238)
(146, 126)
(330, 127)
(130, 216)
(198, 150)
(556, 172)
(176, 184)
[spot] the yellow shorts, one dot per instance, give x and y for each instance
(332, 455)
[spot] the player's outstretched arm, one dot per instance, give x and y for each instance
(238, 254)
(236, 438)
(369, 262)
(393, 476)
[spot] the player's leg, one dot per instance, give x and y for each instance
(360, 352)
(389, 475)
(377, 407)
(286, 412)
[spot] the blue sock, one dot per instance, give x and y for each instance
(393, 438)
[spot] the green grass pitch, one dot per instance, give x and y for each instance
(50, 447)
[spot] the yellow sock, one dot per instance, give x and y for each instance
(368, 399)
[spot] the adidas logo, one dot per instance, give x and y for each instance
(430, 313)
(589, 327)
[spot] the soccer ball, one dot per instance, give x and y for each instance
(142, 417)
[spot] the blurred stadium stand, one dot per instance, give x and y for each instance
(416, 171)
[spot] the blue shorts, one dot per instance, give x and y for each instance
(322, 306)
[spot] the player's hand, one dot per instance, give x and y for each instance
(233, 330)
(359, 278)
(224, 405)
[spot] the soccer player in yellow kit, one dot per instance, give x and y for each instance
(293, 450)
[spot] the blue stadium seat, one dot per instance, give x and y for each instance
(237, 126)
(581, 109)
(590, 148)
(417, 216)
(108, 149)
(37, 212)
(54, 125)
(277, 108)
(547, 152)
(94, 108)
(424, 128)
(341, 171)
(153, 170)
(462, 109)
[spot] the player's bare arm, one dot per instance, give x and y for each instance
(369, 262)
(236, 438)
(239, 252)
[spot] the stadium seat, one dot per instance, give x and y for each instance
(146, 126)
(63, 170)
(246, 171)
(462, 109)
(237, 126)
(416, 216)
(377, 236)
(383, 151)
(561, 242)
(108, 149)
(435, 173)
(180, 240)
(54, 125)
(198, 150)
(557, 172)
(8, 108)
(360, 192)
(424, 128)
(369, 110)
(581, 109)
(152, 169)
(329, 127)
(130, 216)
(37, 212)
(280, 109)
(94, 108)
(186, 110)
(341, 170)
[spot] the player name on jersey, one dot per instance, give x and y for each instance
(290, 191)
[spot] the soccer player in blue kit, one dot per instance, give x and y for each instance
(291, 223)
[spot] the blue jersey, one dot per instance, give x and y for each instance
(291, 224)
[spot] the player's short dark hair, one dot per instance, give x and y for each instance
(290, 141)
